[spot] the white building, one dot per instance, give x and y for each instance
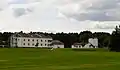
(88, 46)
(92, 43)
(30, 40)
(77, 45)
(57, 44)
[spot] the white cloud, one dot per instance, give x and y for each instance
(106, 25)
(22, 1)
(59, 15)
(94, 10)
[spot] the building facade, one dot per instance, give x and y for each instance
(92, 43)
(30, 40)
(57, 44)
(77, 45)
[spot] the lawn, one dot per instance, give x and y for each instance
(60, 59)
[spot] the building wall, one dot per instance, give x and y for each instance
(29, 42)
(94, 41)
(56, 46)
(76, 46)
(13, 41)
(87, 46)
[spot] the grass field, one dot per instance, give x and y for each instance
(60, 59)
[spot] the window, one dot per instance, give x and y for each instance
(45, 40)
(18, 39)
(15, 39)
(45, 44)
(24, 44)
(28, 39)
(41, 40)
(49, 40)
(37, 40)
(24, 39)
(33, 40)
(41, 44)
(28, 43)
(33, 44)
(48, 45)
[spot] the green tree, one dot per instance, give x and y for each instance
(103, 38)
(115, 40)
(84, 36)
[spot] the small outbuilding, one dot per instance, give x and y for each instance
(77, 45)
(92, 43)
(57, 44)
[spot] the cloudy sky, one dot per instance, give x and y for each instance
(59, 15)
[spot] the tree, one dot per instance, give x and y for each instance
(115, 40)
(84, 36)
(106, 41)
(67, 38)
(103, 38)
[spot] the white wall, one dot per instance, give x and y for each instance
(94, 41)
(20, 42)
(56, 46)
(76, 46)
(13, 41)
(87, 46)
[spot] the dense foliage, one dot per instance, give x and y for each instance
(115, 40)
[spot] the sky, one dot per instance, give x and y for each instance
(59, 15)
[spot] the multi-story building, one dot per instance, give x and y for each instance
(30, 40)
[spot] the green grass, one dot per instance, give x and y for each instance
(60, 59)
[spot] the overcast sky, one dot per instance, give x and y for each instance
(59, 15)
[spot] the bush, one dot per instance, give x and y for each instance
(115, 43)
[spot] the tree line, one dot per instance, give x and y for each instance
(106, 40)
(68, 38)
